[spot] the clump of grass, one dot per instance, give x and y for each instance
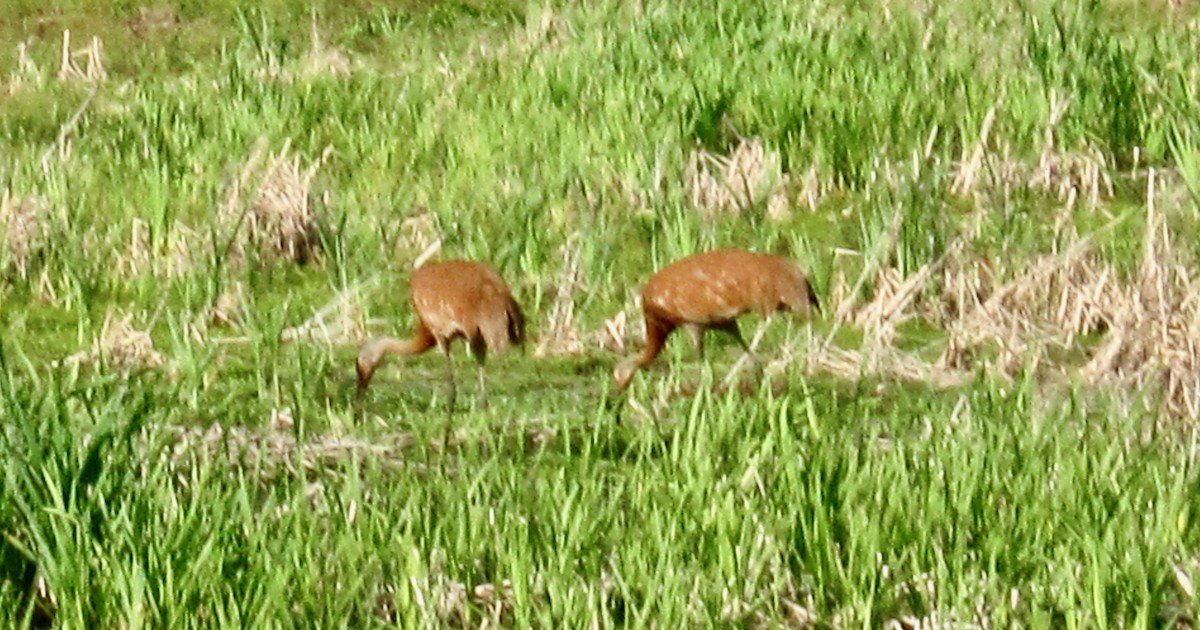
(419, 234)
(616, 333)
(93, 54)
(153, 18)
(879, 360)
(749, 176)
(278, 222)
(340, 321)
(229, 310)
(274, 450)
(172, 256)
(1051, 299)
(1153, 342)
(970, 171)
(965, 282)
(1062, 173)
(24, 223)
(320, 60)
(27, 74)
(120, 347)
(1067, 174)
(561, 336)
(890, 301)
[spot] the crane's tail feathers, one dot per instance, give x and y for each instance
(516, 323)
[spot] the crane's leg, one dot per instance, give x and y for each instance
(731, 328)
(657, 330)
(696, 332)
(479, 351)
(450, 394)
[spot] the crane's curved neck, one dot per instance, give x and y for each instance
(372, 351)
(626, 368)
(380, 346)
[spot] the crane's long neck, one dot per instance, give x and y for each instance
(382, 346)
(372, 352)
(655, 339)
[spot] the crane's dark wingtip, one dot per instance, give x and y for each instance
(813, 301)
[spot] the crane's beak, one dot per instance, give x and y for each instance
(364, 378)
(614, 400)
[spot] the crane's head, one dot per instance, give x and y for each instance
(796, 293)
(370, 354)
(623, 373)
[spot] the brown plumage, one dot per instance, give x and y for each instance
(709, 291)
(456, 299)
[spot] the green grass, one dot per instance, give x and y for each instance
(519, 128)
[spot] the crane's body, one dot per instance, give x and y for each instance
(710, 291)
(455, 299)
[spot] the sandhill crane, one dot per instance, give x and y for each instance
(709, 291)
(455, 299)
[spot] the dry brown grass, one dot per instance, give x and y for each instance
(229, 310)
(323, 60)
(120, 346)
(92, 70)
(1049, 301)
(624, 329)
(27, 72)
(1073, 293)
(274, 450)
(1150, 325)
(882, 361)
(25, 227)
(1153, 345)
(278, 222)
(171, 257)
(970, 169)
(1066, 174)
(340, 321)
(561, 334)
(418, 231)
(732, 184)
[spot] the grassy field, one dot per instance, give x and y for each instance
(206, 207)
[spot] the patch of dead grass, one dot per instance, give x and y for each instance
(418, 231)
(171, 257)
(1053, 297)
(1049, 302)
(880, 360)
(120, 346)
(1150, 326)
(27, 72)
(1153, 344)
(92, 70)
(561, 335)
(278, 222)
(25, 226)
(1064, 174)
(615, 333)
(229, 310)
(724, 185)
(341, 321)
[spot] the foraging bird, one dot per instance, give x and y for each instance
(709, 291)
(455, 299)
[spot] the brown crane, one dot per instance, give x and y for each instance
(455, 299)
(709, 291)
